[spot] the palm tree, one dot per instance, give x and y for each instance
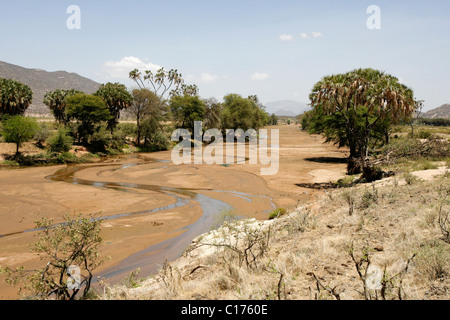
(56, 101)
(15, 97)
(117, 98)
(349, 107)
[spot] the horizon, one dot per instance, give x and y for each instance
(275, 50)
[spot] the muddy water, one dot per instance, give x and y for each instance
(150, 259)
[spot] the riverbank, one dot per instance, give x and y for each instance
(320, 251)
(132, 184)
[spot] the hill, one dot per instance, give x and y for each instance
(443, 112)
(286, 108)
(41, 82)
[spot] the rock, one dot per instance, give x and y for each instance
(379, 248)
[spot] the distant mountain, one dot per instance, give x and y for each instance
(286, 108)
(441, 112)
(41, 82)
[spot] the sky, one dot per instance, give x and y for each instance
(277, 50)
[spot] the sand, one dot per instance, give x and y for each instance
(27, 195)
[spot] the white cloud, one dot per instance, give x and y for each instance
(317, 34)
(204, 77)
(304, 36)
(208, 77)
(260, 76)
(121, 69)
(286, 37)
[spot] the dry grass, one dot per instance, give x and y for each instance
(307, 254)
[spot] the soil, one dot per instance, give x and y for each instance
(27, 195)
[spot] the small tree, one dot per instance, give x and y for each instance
(90, 111)
(15, 97)
(145, 104)
(70, 251)
(18, 130)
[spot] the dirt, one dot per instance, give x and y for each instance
(27, 195)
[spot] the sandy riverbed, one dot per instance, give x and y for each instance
(27, 195)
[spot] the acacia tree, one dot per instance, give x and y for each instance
(186, 110)
(15, 97)
(18, 129)
(90, 111)
(117, 98)
(242, 113)
(56, 101)
(145, 105)
(351, 108)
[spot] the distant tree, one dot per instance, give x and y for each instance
(213, 111)
(350, 109)
(186, 110)
(273, 119)
(164, 84)
(117, 98)
(242, 113)
(90, 111)
(15, 97)
(56, 101)
(145, 105)
(18, 130)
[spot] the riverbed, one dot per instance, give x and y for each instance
(151, 208)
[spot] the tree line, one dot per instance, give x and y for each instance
(160, 103)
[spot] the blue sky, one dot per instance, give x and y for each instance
(274, 49)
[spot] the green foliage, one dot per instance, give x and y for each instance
(154, 136)
(56, 101)
(213, 111)
(117, 98)
(146, 105)
(186, 110)
(90, 111)
(357, 107)
(242, 113)
(104, 142)
(19, 129)
(273, 119)
(43, 133)
(277, 213)
(15, 97)
(60, 142)
(129, 129)
(74, 243)
(435, 122)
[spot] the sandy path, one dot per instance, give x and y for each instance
(26, 195)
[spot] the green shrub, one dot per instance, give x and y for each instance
(277, 213)
(60, 142)
(43, 133)
(129, 129)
